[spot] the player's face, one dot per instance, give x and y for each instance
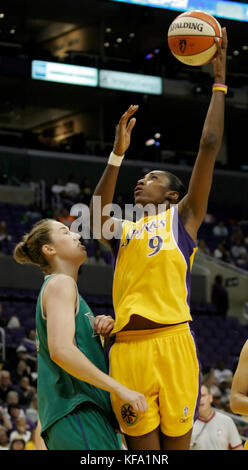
(152, 189)
(66, 243)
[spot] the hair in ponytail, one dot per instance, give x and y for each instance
(29, 250)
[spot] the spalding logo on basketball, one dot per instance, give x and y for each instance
(191, 37)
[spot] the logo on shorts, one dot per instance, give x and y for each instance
(185, 412)
(128, 414)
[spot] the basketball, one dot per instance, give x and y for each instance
(191, 37)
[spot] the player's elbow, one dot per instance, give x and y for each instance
(209, 140)
(234, 403)
(58, 353)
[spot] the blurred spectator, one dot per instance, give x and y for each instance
(12, 398)
(4, 419)
(5, 385)
(32, 411)
(221, 372)
(86, 190)
(72, 189)
(221, 252)
(3, 320)
(202, 247)
(13, 322)
(213, 430)
(16, 412)
(97, 260)
(220, 230)
(17, 444)
(26, 391)
(239, 252)
(20, 371)
(58, 191)
(219, 296)
(22, 353)
(58, 187)
(30, 341)
(33, 214)
(237, 235)
(209, 219)
(4, 440)
(30, 445)
(66, 218)
(5, 237)
(21, 431)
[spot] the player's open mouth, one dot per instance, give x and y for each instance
(138, 189)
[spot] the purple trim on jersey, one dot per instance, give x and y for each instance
(186, 246)
(83, 432)
(117, 246)
(196, 415)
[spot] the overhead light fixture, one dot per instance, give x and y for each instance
(149, 56)
(108, 30)
(119, 40)
(236, 52)
(1, 16)
(12, 31)
(106, 44)
(157, 135)
(149, 142)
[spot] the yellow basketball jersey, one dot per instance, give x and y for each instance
(154, 258)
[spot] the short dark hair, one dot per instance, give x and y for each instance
(176, 185)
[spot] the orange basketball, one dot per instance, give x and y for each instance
(191, 37)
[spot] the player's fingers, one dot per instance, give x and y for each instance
(131, 125)
(217, 42)
(131, 110)
(105, 324)
(225, 41)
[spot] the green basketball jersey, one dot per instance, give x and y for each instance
(58, 392)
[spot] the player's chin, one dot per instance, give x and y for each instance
(83, 256)
(140, 199)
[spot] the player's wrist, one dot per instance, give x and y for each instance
(115, 159)
(220, 87)
(220, 79)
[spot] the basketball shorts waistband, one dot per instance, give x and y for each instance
(143, 335)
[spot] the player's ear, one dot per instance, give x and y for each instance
(172, 196)
(48, 250)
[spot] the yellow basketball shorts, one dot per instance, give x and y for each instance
(162, 364)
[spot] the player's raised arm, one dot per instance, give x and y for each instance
(106, 186)
(194, 205)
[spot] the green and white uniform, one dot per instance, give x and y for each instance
(74, 415)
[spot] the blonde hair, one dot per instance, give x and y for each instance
(29, 250)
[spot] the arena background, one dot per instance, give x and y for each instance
(53, 134)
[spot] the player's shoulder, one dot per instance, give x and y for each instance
(60, 284)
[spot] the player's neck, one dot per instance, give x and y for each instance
(68, 269)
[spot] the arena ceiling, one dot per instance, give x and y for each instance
(25, 26)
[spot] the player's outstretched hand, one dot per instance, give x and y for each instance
(135, 399)
(103, 325)
(219, 62)
(123, 131)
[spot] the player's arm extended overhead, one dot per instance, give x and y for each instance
(106, 186)
(193, 206)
